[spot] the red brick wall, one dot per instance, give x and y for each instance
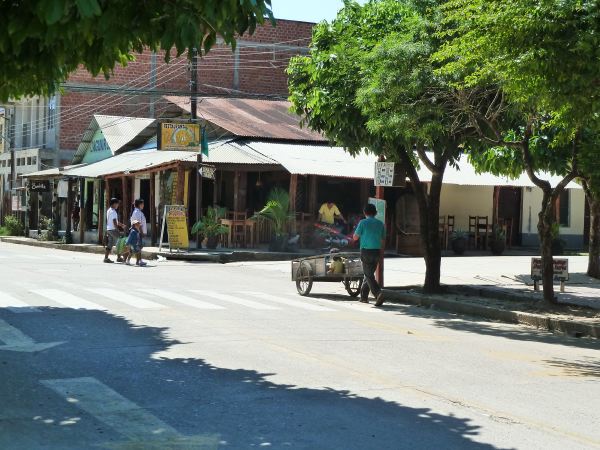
(261, 70)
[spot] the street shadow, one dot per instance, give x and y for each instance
(586, 368)
(205, 406)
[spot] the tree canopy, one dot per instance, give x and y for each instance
(42, 42)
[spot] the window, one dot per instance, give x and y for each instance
(34, 160)
(564, 207)
(50, 117)
(25, 137)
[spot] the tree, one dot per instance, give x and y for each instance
(369, 82)
(543, 58)
(42, 42)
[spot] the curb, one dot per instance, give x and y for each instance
(89, 248)
(570, 327)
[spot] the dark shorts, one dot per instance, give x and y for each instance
(112, 236)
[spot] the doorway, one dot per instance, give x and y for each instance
(509, 209)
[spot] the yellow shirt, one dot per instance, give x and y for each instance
(328, 214)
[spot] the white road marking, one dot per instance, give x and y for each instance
(15, 305)
(236, 300)
(67, 299)
(128, 298)
(16, 341)
(124, 416)
(28, 257)
(183, 299)
(289, 302)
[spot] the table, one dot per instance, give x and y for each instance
(247, 225)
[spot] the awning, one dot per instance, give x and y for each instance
(465, 175)
(56, 172)
(319, 160)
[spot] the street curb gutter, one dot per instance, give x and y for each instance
(96, 249)
(569, 327)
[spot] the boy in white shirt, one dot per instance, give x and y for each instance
(112, 228)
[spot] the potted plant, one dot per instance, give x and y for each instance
(458, 241)
(497, 240)
(277, 212)
(558, 244)
(210, 227)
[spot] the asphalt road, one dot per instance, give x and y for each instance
(203, 356)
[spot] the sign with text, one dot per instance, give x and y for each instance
(39, 186)
(389, 174)
(175, 222)
(179, 136)
(561, 269)
(380, 205)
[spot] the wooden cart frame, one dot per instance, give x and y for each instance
(305, 271)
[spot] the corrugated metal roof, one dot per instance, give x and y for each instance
(232, 152)
(465, 175)
(265, 119)
(133, 161)
(118, 131)
(317, 159)
(51, 173)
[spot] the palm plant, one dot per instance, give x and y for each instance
(277, 211)
(210, 227)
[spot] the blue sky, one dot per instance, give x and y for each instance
(307, 10)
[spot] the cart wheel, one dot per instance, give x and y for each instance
(353, 286)
(304, 279)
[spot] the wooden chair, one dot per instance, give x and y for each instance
(449, 230)
(443, 230)
(482, 232)
(507, 226)
(472, 237)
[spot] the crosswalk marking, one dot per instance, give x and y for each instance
(14, 304)
(29, 257)
(353, 305)
(236, 300)
(183, 299)
(289, 302)
(130, 299)
(66, 299)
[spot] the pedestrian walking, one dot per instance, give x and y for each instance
(134, 243)
(112, 228)
(138, 214)
(371, 233)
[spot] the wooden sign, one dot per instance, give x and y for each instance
(561, 271)
(39, 186)
(175, 222)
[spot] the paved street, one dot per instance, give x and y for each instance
(203, 356)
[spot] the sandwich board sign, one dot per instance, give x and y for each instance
(175, 222)
(561, 271)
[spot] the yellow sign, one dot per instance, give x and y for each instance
(177, 227)
(179, 136)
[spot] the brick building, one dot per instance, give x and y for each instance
(255, 68)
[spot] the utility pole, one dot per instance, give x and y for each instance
(194, 108)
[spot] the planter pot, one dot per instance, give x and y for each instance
(459, 246)
(211, 242)
(497, 247)
(278, 244)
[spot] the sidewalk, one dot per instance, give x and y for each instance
(217, 255)
(500, 288)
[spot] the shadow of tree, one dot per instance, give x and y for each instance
(241, 408)
(586, 368)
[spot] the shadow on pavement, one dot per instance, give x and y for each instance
(586, 368)
(203, 406)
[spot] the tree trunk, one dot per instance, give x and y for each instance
(546, 220)
(594, 256)
(430, 236)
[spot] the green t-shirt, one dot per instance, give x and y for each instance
(371, 232)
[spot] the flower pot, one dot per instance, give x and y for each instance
(211, 242)
(497, 247)
(459, 245)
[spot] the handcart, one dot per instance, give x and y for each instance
(305, 271)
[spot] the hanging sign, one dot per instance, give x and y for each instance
(39, 186)
(389, 174)
(175, 223)
(179, 136)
